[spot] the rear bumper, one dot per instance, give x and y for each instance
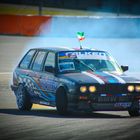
(13, 88)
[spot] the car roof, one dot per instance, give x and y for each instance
(59, 49)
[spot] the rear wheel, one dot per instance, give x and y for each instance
(23, 99)
(61, 101)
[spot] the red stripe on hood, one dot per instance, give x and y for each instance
(99, 76)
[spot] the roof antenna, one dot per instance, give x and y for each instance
(81, 37)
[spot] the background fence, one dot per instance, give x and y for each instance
(67, 26)
(22, 25)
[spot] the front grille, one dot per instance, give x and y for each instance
(111, 93)
(112, 88)
(112, 99)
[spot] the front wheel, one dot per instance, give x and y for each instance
(134, 110)
(23, 100)
(134, 113)
(61, 101)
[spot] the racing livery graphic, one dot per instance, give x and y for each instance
(71, 80)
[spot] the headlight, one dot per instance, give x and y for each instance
(137, 88)
(92, 88)
(130, 88)
(83, 89)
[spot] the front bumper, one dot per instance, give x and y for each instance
(108, 97)
(118, 106)
(109, 103)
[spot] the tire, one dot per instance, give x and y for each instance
(89, 113)
(134, 110)
(61, 101)
(23, 99)
(134, 113)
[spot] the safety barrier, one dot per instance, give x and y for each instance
(22, 24)
(68, 26)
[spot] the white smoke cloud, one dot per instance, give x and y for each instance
(119, 36)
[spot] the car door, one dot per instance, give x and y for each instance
(36, 74)
(48, 81)
(22, 73)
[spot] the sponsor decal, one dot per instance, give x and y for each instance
(124, 94)
(84, 55)
(32, 84)
(51, 86)
(118, 95)
(66, 66)
(123, 105)
(103, 95)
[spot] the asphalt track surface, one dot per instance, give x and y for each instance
(45, 123)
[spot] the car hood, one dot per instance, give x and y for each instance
(99, 77)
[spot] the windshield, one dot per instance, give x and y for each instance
(78, 61)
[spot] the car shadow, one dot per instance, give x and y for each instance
(53, 114)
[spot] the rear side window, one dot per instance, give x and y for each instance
(39, 61)
(50, 61)
(27, 59)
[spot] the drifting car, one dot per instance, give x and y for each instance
(72, 80)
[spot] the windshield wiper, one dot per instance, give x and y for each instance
(84, 64)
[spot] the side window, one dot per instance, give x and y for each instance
(26, 60)
(50, 61)
(38, 61)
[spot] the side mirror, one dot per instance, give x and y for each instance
(49, 69)
(124, 68)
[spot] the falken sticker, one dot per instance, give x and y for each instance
(84, 55)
